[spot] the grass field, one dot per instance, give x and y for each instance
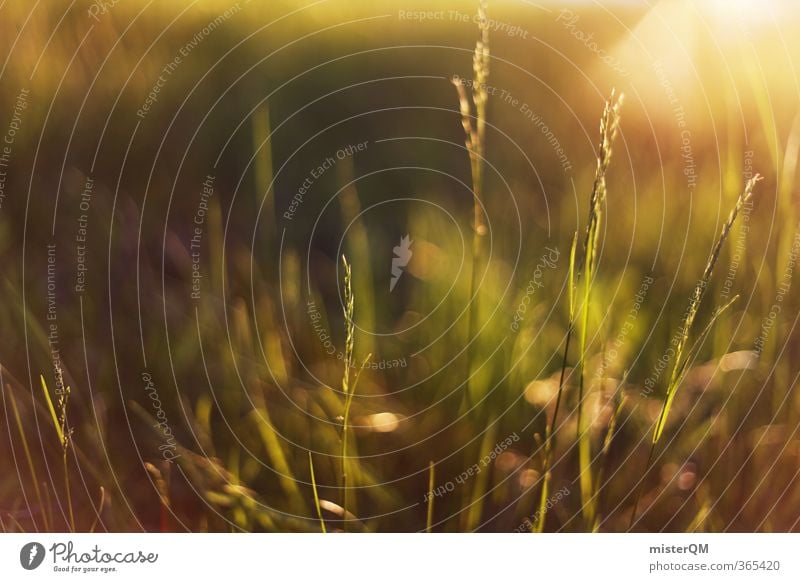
(333, 266)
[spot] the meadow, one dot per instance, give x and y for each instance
(328, 266)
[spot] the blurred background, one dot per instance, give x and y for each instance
(179, 181)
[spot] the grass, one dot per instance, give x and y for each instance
(280, 421)
(64, 437)
(681, 363)
(26, 448)
(431, 484)
(609, 127)
(316, 493)
(551, 428)
(474, 125)
(349, 384)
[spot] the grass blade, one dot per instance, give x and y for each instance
(475, 142)
(550, 436)
(316, 494)
(678, 370)
(348, 383)
(51, 408)
(431, 482)
(609, 127)
(26, 448)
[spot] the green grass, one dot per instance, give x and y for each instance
(680, 363)
(275, 432)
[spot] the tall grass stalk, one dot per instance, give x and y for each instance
(475, 141)
(474, 510)
(263, 174)
(619, 402)
(358, 249)
(64, 437)
(316, 493)
(274, 448)
(26, 449)
(609, 127)
(551, 428)
(680, 366)
(349, 380)
(788, 213)
(431, 483)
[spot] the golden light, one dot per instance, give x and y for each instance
(382, 422)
